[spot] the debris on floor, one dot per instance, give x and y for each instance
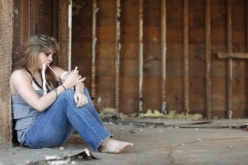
(68, 157)
(109, 113)
(171, 115)
(45, 156)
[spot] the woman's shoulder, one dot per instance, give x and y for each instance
(20, 74)
(18, 78)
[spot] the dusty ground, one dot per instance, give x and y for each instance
(157, 142)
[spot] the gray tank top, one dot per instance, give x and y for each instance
(24, 115)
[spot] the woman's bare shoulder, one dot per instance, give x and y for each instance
(18, 78)
(20, 73)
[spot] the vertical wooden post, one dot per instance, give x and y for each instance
(63, 33)
(140, 55)
(33, 11)
(93, 57)
(55, 19)
(208, 59)
(163, 56)
(69, 34)
(186, 56)
(6, 46)
(117, 61)
(229, 61)
(246, 43)
(25, 27)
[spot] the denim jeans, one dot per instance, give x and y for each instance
(55, 125)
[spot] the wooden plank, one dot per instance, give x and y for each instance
(25, 27)
(208, 60)
(54, 18)
(129, 97)
(246, 25)
(33, 17)
(6, 50)
(40, 29)
(140, 56)
(186, 55)
(163, 57)
(63, 33)
(93, 55)
(129, 51)
(232, 55)
(117, 58)
(229, 61)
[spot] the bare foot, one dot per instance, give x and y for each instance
(114, 146)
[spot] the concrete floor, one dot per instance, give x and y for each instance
(157, 142)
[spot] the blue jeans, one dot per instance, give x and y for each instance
(55, 125)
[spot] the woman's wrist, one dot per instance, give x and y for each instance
(79, 88)
(63, 87)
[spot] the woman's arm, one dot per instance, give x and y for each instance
(21, 83)
(79, 96)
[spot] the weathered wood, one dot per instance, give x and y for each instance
(69, 39)
(232, 55)
(163, 56)
(140, 55)
(208, 59)
(186, 55)
(199, 49)
(6, 46)
(117, 58)
(33, 11)
(93, 49)
(229, 64)
(25, 27)
(246, 26)
(63, 33)
(54, 19)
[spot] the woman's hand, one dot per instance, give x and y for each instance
(80, 99)
(72, 79)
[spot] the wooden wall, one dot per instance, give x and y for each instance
(6, 29)
(196, 80)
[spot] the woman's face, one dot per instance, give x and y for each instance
(45, 57)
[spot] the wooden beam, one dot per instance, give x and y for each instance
(32, 17)
(93, 56)
(163, 56)
(25, 27)
(140, 56)
(63, 33)
(186, 56)
(229, 61)
(232, 55)
(40, 29)
(208, 59)
(6, 47)
(117, 59)
(55, 18)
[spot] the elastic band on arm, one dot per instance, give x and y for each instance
(63, 75)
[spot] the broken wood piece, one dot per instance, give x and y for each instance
(85, 153)
(65, 158)
(232, 55)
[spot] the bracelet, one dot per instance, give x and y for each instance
(63, 87)
(63, 75)
(56, 93)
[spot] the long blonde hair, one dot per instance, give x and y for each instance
(27, 54)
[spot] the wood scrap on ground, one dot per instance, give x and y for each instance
(171, 115)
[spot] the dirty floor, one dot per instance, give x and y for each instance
(156, 141)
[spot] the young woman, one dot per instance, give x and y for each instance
(49, 103)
